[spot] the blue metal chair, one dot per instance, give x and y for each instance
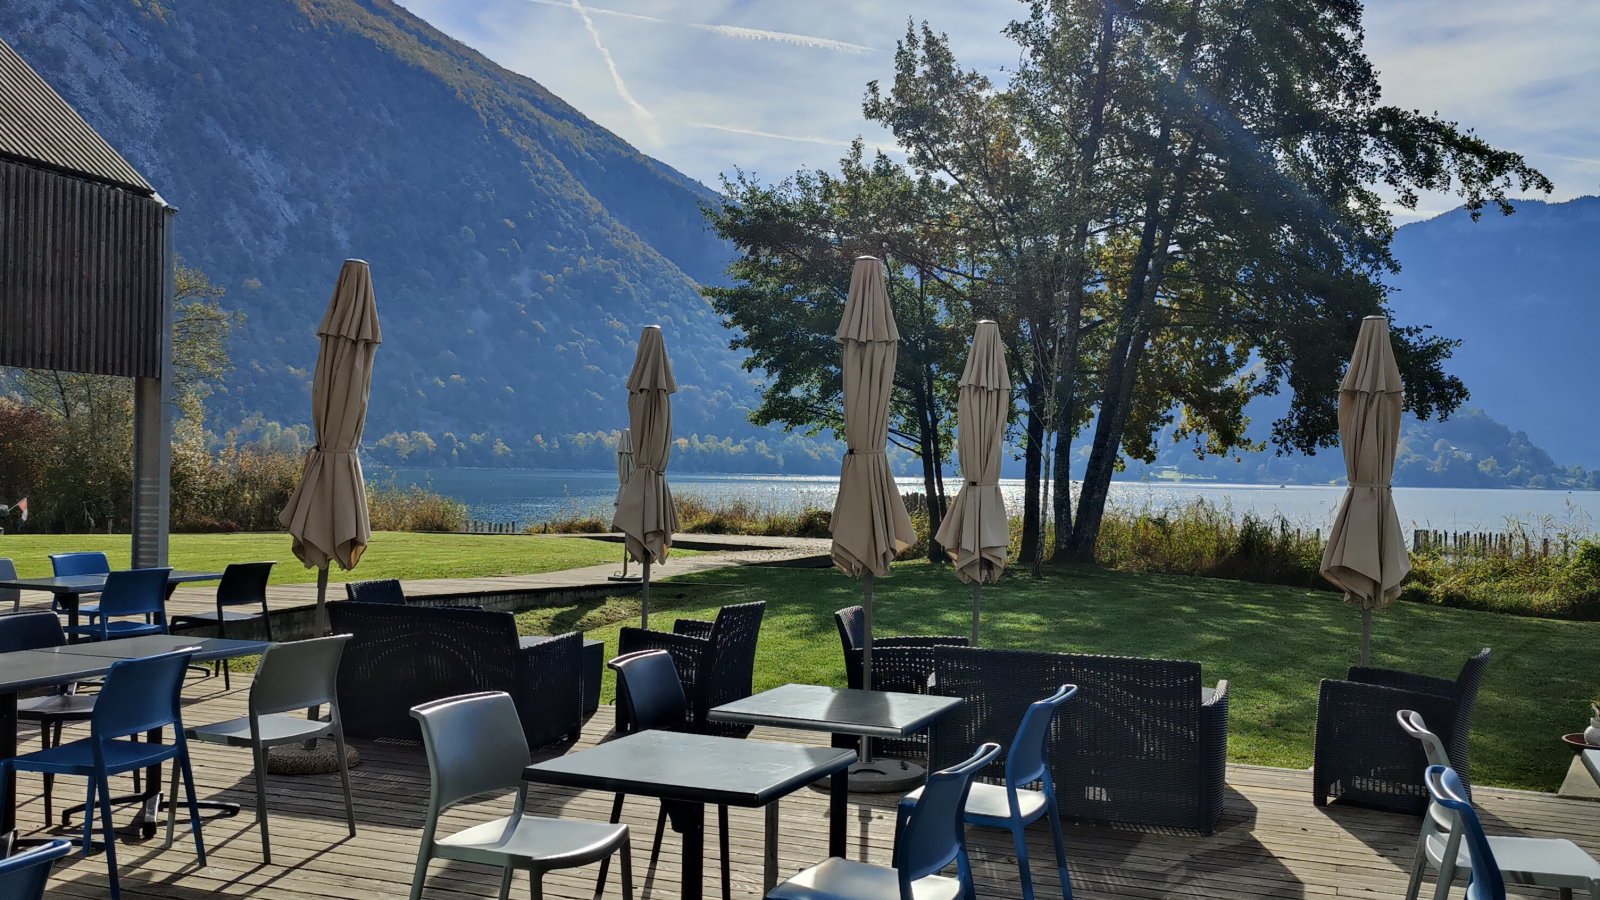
(1013, 806)
(1444, 786)
(138, 695)
(66, 565)
(930, 834)
(131, 592)
(23, 876)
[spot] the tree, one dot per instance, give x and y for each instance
(797, 242)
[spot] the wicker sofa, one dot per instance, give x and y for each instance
(1362, 756)
(1142, 743)
(400, 656)
(715, 660)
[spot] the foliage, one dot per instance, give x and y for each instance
(1273, 644)
(391, 507)
(1547, 568)
(1205, 540)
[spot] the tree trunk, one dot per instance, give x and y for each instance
(930, 479)
(1033, 459)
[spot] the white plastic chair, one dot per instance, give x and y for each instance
(1546, 862)
(475, 745)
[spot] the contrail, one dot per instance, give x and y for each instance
(734, 31)
(646, 121)
(756, 132)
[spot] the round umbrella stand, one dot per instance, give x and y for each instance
(295, 759)
(881, 776)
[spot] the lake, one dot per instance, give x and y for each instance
(527, 495)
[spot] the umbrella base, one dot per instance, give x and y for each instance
(882, 776)
(294, 759)
(633, 578)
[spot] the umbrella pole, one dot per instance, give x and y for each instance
(977, 596)
(644, 596)
(322, 629)
(865, 752)
(1366, 635)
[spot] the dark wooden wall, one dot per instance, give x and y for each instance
(82, 275)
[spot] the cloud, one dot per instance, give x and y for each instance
(646, 121)
(733, 31)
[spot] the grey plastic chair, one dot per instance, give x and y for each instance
(291, 676)
(475, 745)
(1547, 862)
(8, 571)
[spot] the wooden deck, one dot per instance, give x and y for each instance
(1272, 843)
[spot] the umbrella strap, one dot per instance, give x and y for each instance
(866, 453)
(1367, 484)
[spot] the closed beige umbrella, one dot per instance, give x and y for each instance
(646, 515)
(976, 532)
(1366, 554)
(870, 524)
(327, 513)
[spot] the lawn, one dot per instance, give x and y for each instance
(1273, 644)
(391, 554)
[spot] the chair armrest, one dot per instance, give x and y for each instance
(1405, 681)
(693, 628)
(1213, 756)
(549, 688)
(919, 641)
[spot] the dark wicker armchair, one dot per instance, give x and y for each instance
(715, 660)
(385, 591)
(399, 657)
(1142, 743)
(1361, 754)
(899, 664)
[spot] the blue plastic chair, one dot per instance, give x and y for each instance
(131, 592)
(1444, 786)
(23, 876)
(138, 695)
(930, 834)
(1013, 806)
(88, 562)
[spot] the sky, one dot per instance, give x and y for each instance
(772, 86)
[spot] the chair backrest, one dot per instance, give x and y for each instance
(1465, 691)
(88, 562)
(8, 570)
(134, 592)
(474, 744)
(23, 876)
(936, 831)
(386, 591)
(732, 661)
(298, 674)
(1028, 761)
(1444, 788)
(1412, 723)
(140, 695)
(244, 583)
(30, 631)
(649, 692)
(851, 622)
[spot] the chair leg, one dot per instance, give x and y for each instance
(1061, 849)
(605, 864)
(1419, 865)
(1566, 894)
(627, 868)
(505, 880)
(722, 826)
(421, 874)
(1019, 837)
(49, 780)
(88, 817)
(344, 778)
(535, 884)
(172, 808)
(104, 789)
(260, 754)
(194, 806)
(661, 829)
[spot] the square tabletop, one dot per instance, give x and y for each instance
(879, 714)
(24, 669)
(695, 768)
(93, 584)
(205, 649)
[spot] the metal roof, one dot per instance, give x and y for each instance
(38, 127)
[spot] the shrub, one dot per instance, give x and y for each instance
(391, 507)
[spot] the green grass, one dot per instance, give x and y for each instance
(391, 554)
(1272, 643)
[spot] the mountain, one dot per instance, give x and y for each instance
(516, 246)
(1520, 292)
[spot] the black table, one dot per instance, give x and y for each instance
(69, 588)
(25, 669)
(688, 771)
(879, 714)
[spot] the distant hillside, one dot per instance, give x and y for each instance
(516, 246)
(1521, 293)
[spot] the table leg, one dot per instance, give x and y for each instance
(838, 808)
(70, 601)
(769, 862)
(8, 749)
(689, 820)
